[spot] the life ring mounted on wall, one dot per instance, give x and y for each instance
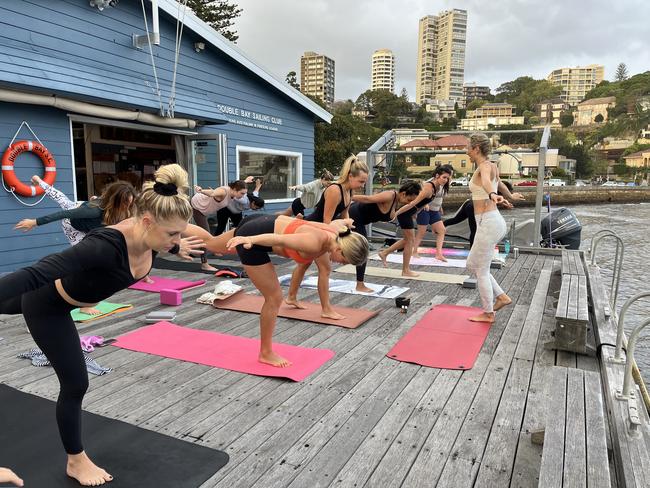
(8, 163)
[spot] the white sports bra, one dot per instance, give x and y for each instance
(478, 192)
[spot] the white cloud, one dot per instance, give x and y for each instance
(505, 39)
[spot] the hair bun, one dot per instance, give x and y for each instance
(166, 189)
(346, 232)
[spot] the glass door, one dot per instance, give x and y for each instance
(208, 166)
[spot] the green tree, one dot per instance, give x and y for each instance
(476, 103)
(219, 14)
(345, 135)
(384, 106)
(621, 72)
(292, 80)
(566, 119)
(342, 107)
(525, 93)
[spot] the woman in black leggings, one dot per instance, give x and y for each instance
(380, 207)
(107, 260)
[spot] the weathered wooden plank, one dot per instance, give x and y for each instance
(344, 444)
(583, 301)
(575, 448)
(598, 474)
(499, 457)
(551, 472)
(401, 453)
(530, 333)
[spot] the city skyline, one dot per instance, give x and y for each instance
(504, 41)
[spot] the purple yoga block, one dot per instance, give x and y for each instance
(171, 297)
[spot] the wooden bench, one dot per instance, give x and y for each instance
(575, 444)
(572, 314)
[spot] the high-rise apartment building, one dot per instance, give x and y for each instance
(383, 70)
(317, 76)
(441, 57)
(576, 82)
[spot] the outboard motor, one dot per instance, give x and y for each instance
(561, 227)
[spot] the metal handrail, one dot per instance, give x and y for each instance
(618, 261)
(620, 331)
(629, 363)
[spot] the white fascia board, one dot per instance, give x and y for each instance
(192, 22)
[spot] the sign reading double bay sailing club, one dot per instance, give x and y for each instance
(250, 118)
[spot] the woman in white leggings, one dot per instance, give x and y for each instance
(490, 227)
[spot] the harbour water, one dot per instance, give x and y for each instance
(632, 223)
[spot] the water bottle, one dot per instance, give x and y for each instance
(506, 247)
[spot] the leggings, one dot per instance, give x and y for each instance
(73, 235)
(223, 216)
(48, 318)
(490, 229)
(465, 212)
(202, 221)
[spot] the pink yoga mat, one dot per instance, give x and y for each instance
(221, 350)
(444, 338)
(160, 283)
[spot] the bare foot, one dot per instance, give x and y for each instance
(274, 360)
(382, 255)
(410, 273)
(331, 314)
(501, 301)
(294, 303)
(148, 280)
(8, 476)
(208, 267)
(440, 257)
(361, 288)
(90, 311)
(484, 317)
(81, 468)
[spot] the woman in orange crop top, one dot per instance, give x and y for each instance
(303, 241)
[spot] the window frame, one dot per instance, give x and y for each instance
(274, 152)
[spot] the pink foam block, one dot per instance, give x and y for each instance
(221, 350)
(160, 283)
(171, 297)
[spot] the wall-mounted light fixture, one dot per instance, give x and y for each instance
(199, 46)
(102, 4)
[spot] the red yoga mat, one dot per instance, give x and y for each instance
(221, 350)
(444, 338)
(247, 302)
(160, 283)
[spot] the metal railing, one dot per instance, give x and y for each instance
(618, 261)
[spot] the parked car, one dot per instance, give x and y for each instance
(464, 181)
(631, 183)
(527, 183)
(610, 183)
(556, 182)
(581, 183)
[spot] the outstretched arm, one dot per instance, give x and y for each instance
(426, 192)
(308, 243)
(381, 197)
(332, 198)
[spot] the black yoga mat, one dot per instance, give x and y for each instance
(134, 456)
(191, 266)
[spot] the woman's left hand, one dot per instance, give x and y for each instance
(517, 196)
(246, 241)
(191, 246)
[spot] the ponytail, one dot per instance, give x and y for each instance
(352, 167)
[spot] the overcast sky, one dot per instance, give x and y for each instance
(505, 38)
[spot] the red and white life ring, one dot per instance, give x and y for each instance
(8, 162)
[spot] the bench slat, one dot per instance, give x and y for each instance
(575, 457)
(598, 475)
(550, 474)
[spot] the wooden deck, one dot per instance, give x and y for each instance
(362, 419)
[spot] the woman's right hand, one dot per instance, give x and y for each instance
(25, 225)
(8, 476)
(292, 188)
(246, 241)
